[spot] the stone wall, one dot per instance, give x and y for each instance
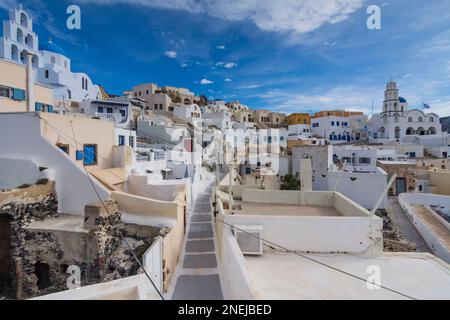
(38, 259)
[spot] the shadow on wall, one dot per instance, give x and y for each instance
(16, 172)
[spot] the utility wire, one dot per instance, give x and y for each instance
(232, 226)
(266, 242)
(107, 210)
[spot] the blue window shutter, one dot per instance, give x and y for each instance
(79, 155)
(38, 107)
(18, 94)
(49, 108)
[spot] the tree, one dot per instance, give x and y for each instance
(290, 182)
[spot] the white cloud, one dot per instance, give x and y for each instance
(299, 16)
(352, 98)
(227, 80)
(250, 86)
(221, 47)
(206, 81)
(171, 54)
(228, 65)
(183, 65)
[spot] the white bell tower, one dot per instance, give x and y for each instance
(391, 104)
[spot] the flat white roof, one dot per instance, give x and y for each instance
(286, 276)
(397, 162)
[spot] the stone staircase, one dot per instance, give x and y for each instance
(197, 275)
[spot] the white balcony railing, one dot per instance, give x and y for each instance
(118, 118)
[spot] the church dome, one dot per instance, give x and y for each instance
(403, 100)
(51, 47)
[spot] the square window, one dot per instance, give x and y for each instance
(79, 155)
(5, 92)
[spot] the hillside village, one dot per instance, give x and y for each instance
(163, 194)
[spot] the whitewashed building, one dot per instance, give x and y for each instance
(398, 123)
(51, 65)
(299, 132)
(190, 113)
(339, 126)
(359, 179)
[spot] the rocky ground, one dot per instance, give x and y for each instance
(394, 240)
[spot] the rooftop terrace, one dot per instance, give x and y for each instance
(286, 276)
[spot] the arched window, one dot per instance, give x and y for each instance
(19, 36)
(23, 20)
(432, 130)
(410, 119)
(29, 40)
(46, 74)
(35, 61)
(431, 119)
(420, 119)
(409, 131)
(397, 132)
(421, 131)
(14, 53)
(396, 118)
(24, 56)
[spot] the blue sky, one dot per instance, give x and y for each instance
(285, 55)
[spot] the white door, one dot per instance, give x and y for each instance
(153, 263)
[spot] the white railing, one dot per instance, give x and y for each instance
(111, 116)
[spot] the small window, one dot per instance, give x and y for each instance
(332, 123)
(109, 110)
(19, 94)
(131, 141)
(364, 160)
(5, 92)
(122, 113)
(121, 140)
(47, 74)
(100, 109)
(64, 147)
(79, 155)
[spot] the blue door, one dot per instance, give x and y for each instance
(90, 155)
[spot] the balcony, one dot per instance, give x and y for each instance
(117, 117)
